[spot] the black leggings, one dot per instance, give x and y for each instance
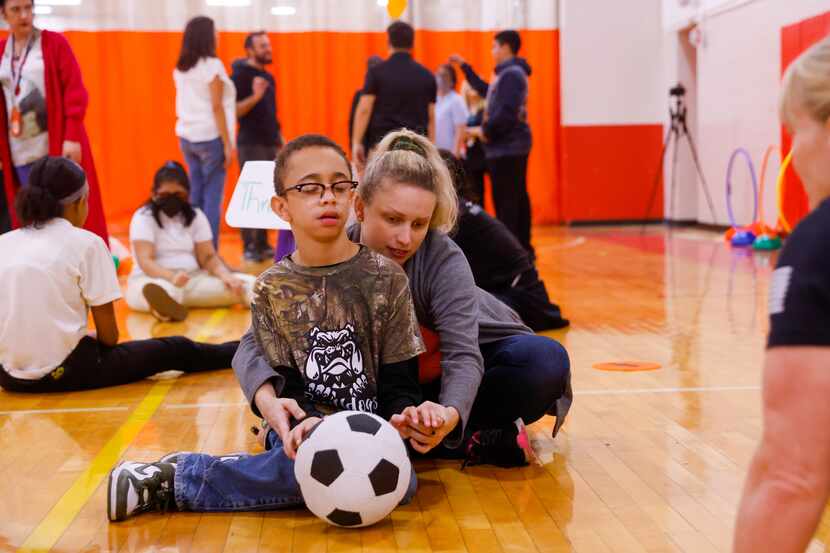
(94, 365)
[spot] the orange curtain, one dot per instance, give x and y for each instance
(131, 117)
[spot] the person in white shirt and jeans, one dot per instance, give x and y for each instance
(52, 272)
(206, 117)
(176, 264)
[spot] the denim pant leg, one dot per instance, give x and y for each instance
(524, 375)
(194, 167)
(213, 166)
(250, 483)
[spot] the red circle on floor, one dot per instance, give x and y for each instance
(627, 366)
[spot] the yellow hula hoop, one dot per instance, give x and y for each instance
(767, 153)
(781, 217)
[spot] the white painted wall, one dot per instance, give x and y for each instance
(311, 15)
(610, 62)
(738, 71)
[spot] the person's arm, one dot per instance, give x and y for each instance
(789, 479)
(477, 83)
(398, 387)
(431, 124)
(74, 94)
(216, 88)
(259, 87)
(254, 372)
(361, 122)
(503, 111)
(106, 326)
(145, 256)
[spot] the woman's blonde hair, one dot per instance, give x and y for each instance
(806, 84)
(405, 157)
(475, 105)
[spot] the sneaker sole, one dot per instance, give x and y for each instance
(523, 441)
(162, 305)
(111, 495)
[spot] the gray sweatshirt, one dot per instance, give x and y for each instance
(448, 302)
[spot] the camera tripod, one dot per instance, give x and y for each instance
(678, 130)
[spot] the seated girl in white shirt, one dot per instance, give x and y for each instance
(51, 273)
(176, 264)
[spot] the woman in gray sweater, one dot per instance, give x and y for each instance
(496, 375)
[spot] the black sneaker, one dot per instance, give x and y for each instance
(251, 256)
(266, 253)
(508, 446)
(136, 488)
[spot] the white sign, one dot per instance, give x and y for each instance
(250, 205)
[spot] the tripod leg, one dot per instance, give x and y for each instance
(673, 188)
(658, 176)
(693, 148)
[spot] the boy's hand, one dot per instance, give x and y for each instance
(277, 411)
(298, 436)
(402, 421)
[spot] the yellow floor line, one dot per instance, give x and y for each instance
(52, 527)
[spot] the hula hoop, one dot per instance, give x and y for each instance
(748, 159)
(761, 187)
(780, 184)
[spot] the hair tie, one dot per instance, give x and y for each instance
(406, 143)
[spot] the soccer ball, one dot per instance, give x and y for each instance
(352, 469)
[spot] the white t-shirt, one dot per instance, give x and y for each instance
(175, 244)
(48, 279)
(450, 111)
(33, 143)
(194, 110)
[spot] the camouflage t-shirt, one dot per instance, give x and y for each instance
(337, 325)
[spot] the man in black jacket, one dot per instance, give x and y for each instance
(505, 132)
(259, 130)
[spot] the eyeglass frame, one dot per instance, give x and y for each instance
(325, 187)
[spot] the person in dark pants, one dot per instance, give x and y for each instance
(370, 63)
(475, 163)
(500, 264)
(505, 132)
(51, 273)
(399, 93)
(5, 216)
(259, 129)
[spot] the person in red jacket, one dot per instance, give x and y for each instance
(42, 106)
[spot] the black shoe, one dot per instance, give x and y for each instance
(251, 256)
(266, 253)
(136, 488)
(508, 446)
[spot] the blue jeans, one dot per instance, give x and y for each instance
(524, 375)
(262, 482)
(206, 162)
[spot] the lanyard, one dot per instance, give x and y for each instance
(17, 77)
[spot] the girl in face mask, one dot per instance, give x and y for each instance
(176, 264)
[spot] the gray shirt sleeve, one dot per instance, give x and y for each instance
(253, 370)
(454, 310)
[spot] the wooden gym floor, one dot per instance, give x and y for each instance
(648, 461)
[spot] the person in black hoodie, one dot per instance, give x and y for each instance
(505, 132)
(259, 129)
(500, 264)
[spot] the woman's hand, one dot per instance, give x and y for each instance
(228, 150)
(298, 435)
(436, 422)
(72, 150)
(180, 279)
(233, 284)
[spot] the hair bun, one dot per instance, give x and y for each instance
(406, 143)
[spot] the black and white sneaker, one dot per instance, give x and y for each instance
(136, 488)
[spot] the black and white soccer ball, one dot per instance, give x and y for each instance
(353, 469)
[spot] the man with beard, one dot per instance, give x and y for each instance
(259, 129)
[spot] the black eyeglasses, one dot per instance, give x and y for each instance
(312, 190)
